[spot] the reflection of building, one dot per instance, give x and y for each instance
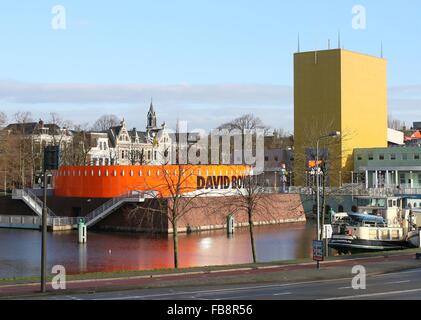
(338, 90)
(121, 146)
(389, 167)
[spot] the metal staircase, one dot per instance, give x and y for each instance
(92, 218)
(31, 200)
(112, 205)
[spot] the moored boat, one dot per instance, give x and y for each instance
(379, 224)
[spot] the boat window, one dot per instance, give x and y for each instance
(390, 203)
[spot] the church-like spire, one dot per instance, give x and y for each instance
(151, 120)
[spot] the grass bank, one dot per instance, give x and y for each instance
(168, 271)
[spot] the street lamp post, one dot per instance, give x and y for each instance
(330, 135)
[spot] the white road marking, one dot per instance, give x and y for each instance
(367, 295)
(377, 284)
(221, 290)
(396, 282)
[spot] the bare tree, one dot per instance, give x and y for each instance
(23, 117)
(105, 122)
(396, 124)
(245, 122)
(81, 146)
(251, 198)
(330, 159)
(173, 197)
(3, 119)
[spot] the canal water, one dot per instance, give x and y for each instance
(20, 249)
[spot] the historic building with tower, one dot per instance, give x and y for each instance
(120, 145)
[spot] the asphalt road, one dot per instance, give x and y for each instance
(405, 285)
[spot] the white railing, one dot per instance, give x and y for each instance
(112, 204)
(31, 200)
(37, 221)
(20, 220)
(36, 205)
(63, 221)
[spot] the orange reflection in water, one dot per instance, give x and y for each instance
(126, 251)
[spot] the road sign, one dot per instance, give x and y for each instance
(318, 250)
(327, 231)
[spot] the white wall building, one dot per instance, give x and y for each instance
(121, 146)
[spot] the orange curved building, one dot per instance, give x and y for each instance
(115, 181)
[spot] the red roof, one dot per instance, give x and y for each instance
(415, 135)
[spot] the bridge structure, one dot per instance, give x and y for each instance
(59, 223)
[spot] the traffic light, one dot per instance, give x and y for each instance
(51, 157)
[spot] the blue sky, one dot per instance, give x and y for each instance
(202, 61)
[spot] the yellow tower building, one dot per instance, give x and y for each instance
(337, 90)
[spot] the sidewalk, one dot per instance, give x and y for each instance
(331, 269)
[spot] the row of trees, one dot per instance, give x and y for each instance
(21, 157)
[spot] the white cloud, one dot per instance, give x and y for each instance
(203, 106)
(405, 103)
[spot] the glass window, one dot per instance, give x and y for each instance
(381, 156)
(417, 156)
(359, 157)
(404, 156)
(402, 178)
(370, 156)
(393, 156)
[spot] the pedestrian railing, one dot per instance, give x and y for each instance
(20, 220)
(31, 200)
(111, 205)
(36, 205)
